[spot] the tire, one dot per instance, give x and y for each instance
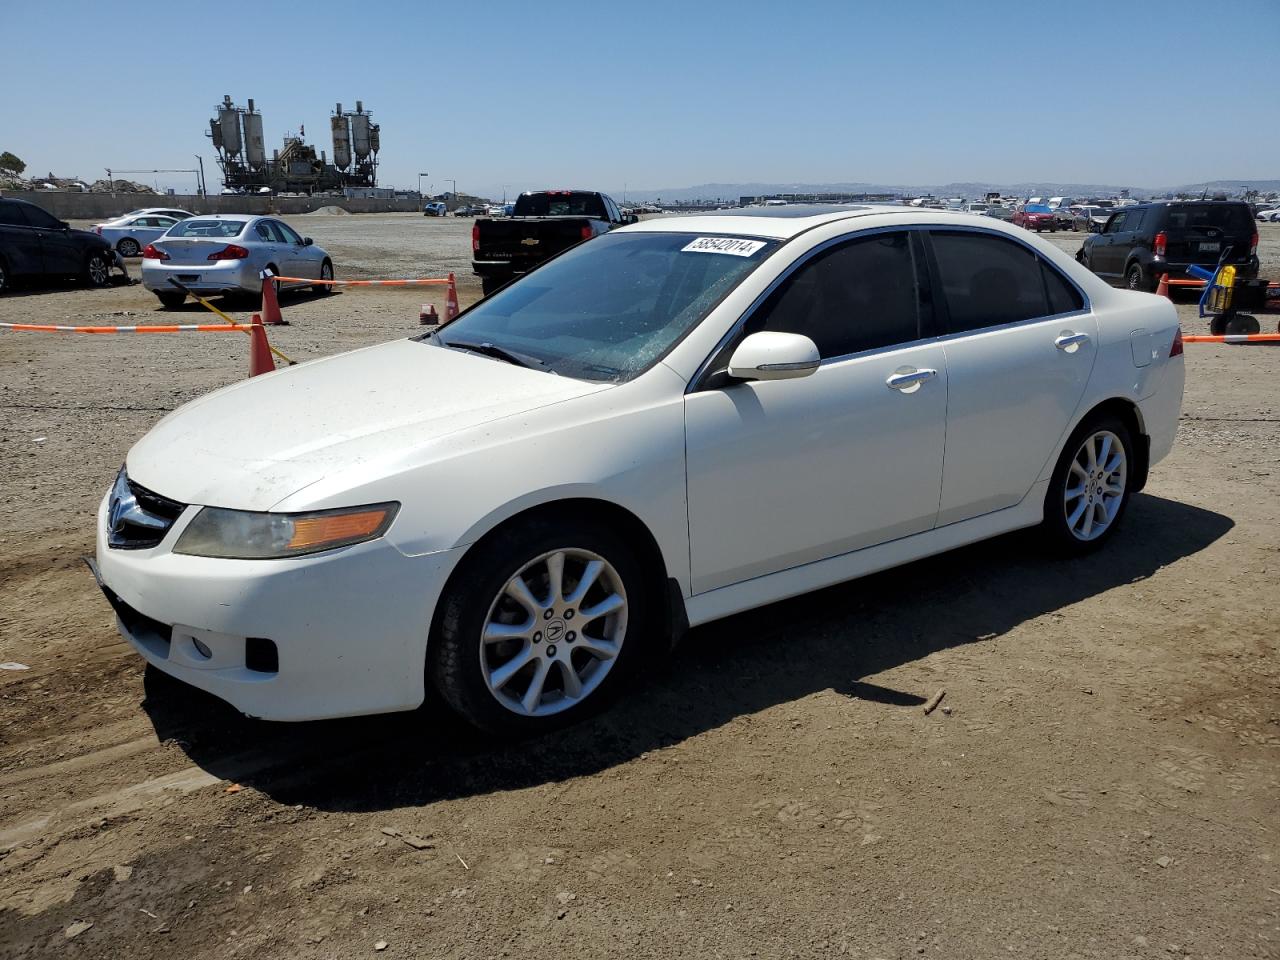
(4, 278)
(489, 284)
(97, 270)
(1136, 278)
(1068, 527)
(128, 247)
(171, 301)
(326, 273)
(1242, 323)
(479, 598)
(1217, 325)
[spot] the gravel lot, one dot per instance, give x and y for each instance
(1104, 781)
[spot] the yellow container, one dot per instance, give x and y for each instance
(1220, 296)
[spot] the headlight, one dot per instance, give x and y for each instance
(242, 535)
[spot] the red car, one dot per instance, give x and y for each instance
(1037, 217)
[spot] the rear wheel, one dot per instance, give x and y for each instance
(4, 277)
(541, 625)
(1135, 278)
(128, 247)
(97, 270)
(171, 301)
(1090, 486)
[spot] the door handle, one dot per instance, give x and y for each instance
(908, 381)
(1069, 342)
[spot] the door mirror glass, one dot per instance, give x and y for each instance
(771, 355)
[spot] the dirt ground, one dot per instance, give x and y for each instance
(1104, 781)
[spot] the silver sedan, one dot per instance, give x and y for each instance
(226, 254)
(130, 233)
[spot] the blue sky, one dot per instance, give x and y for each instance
(666, 94)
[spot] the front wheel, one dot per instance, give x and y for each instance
(97, 270)
(326, 273)
(128, 247)
(1090, 486)
(541, 625)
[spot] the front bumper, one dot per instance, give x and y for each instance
(220, 276)
(350, 626)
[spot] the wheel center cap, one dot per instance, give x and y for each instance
(555, 630)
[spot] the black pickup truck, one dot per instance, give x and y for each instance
(542, 224)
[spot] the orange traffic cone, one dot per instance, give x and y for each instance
(1162, 290)
(451, 302)
(260, 359)
(427, 316)
(270, 304)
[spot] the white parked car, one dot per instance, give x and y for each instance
(226, 255)
(677, 421)
(130, 234)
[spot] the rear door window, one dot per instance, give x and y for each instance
(1134, 220)
(988, 281)
(860, 295)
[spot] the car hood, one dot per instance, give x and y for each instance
(250, 445)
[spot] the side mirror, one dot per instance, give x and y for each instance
(307, 241)
(769, 355)
(631, 218)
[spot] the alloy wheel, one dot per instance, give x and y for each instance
(128, 247)
(1095, 485)
(553, 632)
(98, 270)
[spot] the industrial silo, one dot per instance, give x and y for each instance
(229, 121)
(360, 132)
(341, 139)
(255, 150)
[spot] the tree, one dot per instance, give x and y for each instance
(10, 163)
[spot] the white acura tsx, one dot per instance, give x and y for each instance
(677, 421)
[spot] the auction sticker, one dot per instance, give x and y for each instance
(730, 245)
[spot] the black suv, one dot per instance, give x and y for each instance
(1140, 242)
(33, 242)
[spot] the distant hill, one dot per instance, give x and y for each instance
(732, 191)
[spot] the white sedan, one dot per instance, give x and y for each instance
(677, 421)
(227, 254)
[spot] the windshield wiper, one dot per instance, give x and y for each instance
(499, 353)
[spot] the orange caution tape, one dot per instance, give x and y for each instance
(157, 328)
(367, 283)
(1233, 338)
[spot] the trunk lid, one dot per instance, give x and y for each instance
(1199, 232)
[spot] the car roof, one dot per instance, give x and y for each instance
(781, 223)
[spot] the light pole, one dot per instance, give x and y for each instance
(455, 189)
(420, 176)
(204, 190)
(504, 193)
